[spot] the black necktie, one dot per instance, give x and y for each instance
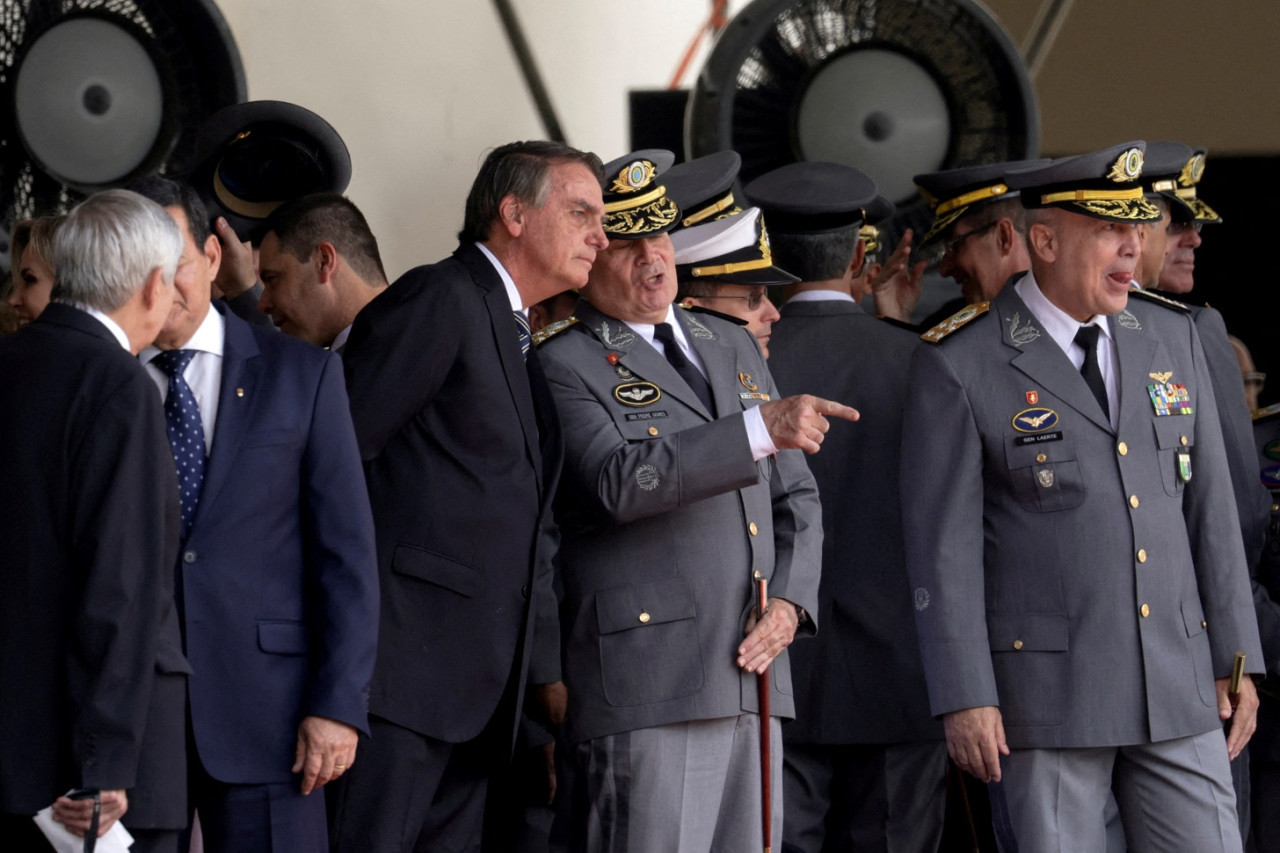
(186, 432)
(1087, 339)
(522, 333)
(688, 372)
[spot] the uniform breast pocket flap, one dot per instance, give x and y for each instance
(1045, 474)
(649, 649)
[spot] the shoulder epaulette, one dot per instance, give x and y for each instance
(710, 312)
(1267, 412)
(546, 333)
(957, 320)
(1161, 299)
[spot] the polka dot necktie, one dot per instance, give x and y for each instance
(186, 433)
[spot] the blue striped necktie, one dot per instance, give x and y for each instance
(522, 329)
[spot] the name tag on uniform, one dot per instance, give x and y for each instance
(1024, 440)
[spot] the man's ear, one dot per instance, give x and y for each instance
(511, 215)
(1007, 237)
(153, 289)
(213, 253)
(859, 259)
(325, 259)
(1043, 242)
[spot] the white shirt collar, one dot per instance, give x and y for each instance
(207, 338)
(645, 330)
(1059, 325)
(821, 296)
(513, 295)
(112, 326)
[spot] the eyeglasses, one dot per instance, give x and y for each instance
(1184, 227)
(937, 251)
(754, 300)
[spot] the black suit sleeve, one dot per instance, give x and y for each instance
(123, 485)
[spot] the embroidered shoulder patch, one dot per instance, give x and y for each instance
(1161, 299)
(546, 333)
(956, 321)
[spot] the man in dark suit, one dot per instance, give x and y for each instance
(90, 659)
(276, 580)
(461, 448)
(865, 760)
(319, 265)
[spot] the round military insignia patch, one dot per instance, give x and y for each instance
(1271, 477)
(1128, 166)
(1035, 420)
(921, 598)
(1272, 450)
(647, 478)
(635, 176)
(637, 393)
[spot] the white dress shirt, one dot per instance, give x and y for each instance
(203, 374)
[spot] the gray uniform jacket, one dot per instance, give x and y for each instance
(861, 680)
(666, 520)
(1066, 571)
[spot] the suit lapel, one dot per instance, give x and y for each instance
(502, 324)
(241, 369)
(1135, 354)
(1042, 360)
(718, 358)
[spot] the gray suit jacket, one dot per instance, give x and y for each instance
(1064, 570)
(860, 681)
(666, 520)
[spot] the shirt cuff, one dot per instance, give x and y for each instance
(758, 435)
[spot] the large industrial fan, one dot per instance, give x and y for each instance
(94, 93)
(892, 87)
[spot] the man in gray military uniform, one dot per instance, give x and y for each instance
(1079, 583)
(865, 762)
(682, 486)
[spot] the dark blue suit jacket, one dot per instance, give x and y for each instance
(278, 579)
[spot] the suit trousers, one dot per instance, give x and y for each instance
(680, 787)
(1173, 795)
(273, 818)
(411, 794)
(870, 798)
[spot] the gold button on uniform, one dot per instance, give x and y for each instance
(1133, 501)
(1145, 611)
(1142, 555)
(1017, 645)
(239, 392)
(1275, 507)
(653, 430)
(1183, 439)
(1040, 457)
(756, 574)
(1204, 624)
(753, 529)
(644, 617)
(1122, 449)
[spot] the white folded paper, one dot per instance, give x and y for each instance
(116, 840)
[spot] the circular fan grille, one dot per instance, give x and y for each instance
(892, 87)
(194, 53)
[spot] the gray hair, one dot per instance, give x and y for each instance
(108, 246)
